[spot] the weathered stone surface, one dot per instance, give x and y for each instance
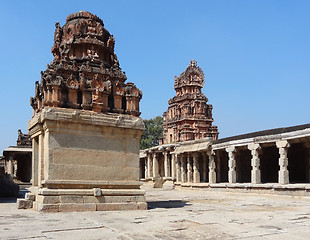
(76, 207)
(118, 206)
(24, 204)
(176, 214)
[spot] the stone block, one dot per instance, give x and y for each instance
(71, 199)
(24, 204)
(76, 207)
(117, 206)
(47, 199)
(92, 199)
(46, 207)
(168, 185)
(124, 199)
(30, 197)
(142, 206)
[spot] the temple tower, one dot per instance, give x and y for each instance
(189, 117)
(86, 127)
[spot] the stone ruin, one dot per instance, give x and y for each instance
(189, 116)
(86, 127)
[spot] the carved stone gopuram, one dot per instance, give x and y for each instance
(189, 117)
(86, 126)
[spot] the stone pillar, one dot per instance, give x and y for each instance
(212, 173)
(183, 172)
(232, 175)
(34, 169)
(255, 148)
(145, 168)
(178, 170)
(189, 169)
(204, 172)
(283, 161)
(149, 167)
(41, 158)
(169, 164)
(15, 166)
(173, 166)
(218, 166)
(196, 176)
(155, 166)
(165, 164)
(11, 166)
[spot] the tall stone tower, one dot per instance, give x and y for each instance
(86, 127)
(189, 117)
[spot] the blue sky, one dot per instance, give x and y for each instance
(255, 56)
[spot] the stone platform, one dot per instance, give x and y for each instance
(174, 214)
(84, 161)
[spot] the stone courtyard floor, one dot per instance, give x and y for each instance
(172, 214)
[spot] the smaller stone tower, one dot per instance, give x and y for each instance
(189, 117)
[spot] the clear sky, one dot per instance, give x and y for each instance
(255, 56)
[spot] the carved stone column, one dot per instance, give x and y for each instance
(232, 175)
(149, 167)
(189, 169)
(283, 161)
(212, 173)
(204, 172)
(196, 176)
(145, 168)
(166, 163)
(15, 166)
(173, 166)
(183, 168)
(169, 164)
(255, 149)
(34, 167)
(155, 166)
(11, 166)
(218, 166)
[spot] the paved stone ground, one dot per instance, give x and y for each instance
(172, 214)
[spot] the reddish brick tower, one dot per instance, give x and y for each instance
(189, 117)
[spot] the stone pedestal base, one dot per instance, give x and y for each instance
(79, 199)
(84, 161)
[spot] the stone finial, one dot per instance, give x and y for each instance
(193, 63)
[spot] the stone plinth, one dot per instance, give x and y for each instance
(85, 161)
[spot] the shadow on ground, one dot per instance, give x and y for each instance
(167, 204)
(21, 192)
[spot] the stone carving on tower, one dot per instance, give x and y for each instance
(189, 117)
(85, 73)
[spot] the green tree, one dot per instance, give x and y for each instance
(153, 132)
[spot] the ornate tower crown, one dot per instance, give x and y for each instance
(192, 76)
(189, 117)
(85, 73)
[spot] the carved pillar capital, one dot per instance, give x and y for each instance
(282, 144)
(254, 146)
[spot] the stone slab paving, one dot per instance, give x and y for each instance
(172, 214)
